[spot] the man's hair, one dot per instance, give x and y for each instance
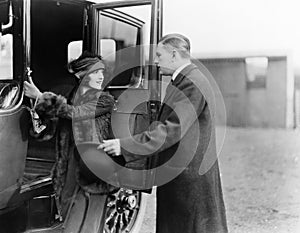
(179, 42)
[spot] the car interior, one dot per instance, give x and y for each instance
(49, 56)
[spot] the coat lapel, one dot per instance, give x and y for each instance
(183, 73)
(171, 88)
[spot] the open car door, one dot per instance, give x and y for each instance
(13, 116)
(125, 34)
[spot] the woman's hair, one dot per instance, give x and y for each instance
(84, 63)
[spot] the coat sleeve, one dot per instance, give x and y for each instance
(51, 105)
(185, 106)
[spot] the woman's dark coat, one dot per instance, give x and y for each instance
(83, 111)
(191, 202)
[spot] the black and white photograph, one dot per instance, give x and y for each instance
(149, 116)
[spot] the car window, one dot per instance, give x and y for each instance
(122, 33)
(6, 57)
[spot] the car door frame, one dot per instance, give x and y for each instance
(154, 78)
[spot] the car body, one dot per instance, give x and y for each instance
(38, 38)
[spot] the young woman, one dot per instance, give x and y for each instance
(84, 117)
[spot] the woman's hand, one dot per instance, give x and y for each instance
(31, 90)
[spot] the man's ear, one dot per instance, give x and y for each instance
(174, 55)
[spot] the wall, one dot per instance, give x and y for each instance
(271, 106)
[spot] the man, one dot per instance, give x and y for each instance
(183, 139)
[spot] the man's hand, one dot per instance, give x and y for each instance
(111, 147)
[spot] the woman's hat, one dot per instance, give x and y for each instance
(85, 64)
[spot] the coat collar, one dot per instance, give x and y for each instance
(183, 73)
(170, 89)
(176, 72)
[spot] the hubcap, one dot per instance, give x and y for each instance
(122, 209)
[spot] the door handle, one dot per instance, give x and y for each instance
(28, 73)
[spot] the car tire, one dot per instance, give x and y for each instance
(116, 210)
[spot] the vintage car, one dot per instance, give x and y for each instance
(38, 38)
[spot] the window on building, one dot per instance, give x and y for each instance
(256, 72)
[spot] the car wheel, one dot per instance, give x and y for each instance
(125, 211)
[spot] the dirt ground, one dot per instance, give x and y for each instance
(260, 170)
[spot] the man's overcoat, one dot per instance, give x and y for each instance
(184, 141)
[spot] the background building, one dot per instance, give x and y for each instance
(258, 90)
